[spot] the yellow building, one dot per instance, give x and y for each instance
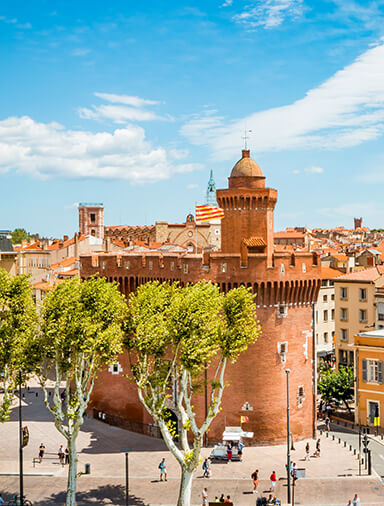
(369, 387)
(355, 309)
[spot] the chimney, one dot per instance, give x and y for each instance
(65, 238)
(245, 153)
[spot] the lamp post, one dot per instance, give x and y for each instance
(126, 451)
(288, 444)
(21, 446)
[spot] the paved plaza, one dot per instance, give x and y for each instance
(331, 479)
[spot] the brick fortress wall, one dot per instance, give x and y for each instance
(285, 286)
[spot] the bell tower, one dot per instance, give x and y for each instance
(248, 210)
(91, 219)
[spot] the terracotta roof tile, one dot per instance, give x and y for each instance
(254, 241)
(371, 274)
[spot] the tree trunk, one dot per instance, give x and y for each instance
(72, 472)
(185, 488)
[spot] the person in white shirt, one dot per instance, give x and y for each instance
(356, 500)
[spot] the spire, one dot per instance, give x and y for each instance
(211, 191)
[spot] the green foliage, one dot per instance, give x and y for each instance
(197, 323)
(17, 333)
(19, 235)
(336, 385)
(82, 321)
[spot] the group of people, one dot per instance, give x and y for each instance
(61, 453)
(355, 501)
(255, 480)
(239, 446)
(204, 496)
(308, 450)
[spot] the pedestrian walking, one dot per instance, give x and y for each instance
(317, 452)
(204, 496)
(307, 451)
(329, 411)
(294, 470)
(60, 453)
(66, 456)
(349, 502)
(41, 452)
(222, 498)
(240, 447)
(206, 468)
(356, 500)
(327, 424)
(228, 499)
(255, 479)
(229, 452)
(163, 470)
(216, 499)
(273, 479)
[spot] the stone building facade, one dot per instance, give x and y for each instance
(286, 286)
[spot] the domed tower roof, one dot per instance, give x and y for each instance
(246, 167)
(246, 173)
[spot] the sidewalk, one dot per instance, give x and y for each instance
(331, 479)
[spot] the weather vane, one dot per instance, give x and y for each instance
(246, 137)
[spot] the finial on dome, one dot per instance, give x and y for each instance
(245, 153)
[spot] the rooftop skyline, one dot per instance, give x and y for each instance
(133, 105)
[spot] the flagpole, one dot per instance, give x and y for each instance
(195, 230)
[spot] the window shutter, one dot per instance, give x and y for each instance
(380, 371)
(365, 378)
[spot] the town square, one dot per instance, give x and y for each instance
(192, 253)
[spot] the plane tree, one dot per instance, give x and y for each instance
(174, 333)
(17, 330)
(81, 330)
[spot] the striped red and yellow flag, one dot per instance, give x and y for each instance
(208, 213)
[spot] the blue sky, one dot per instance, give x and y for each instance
(131, 104)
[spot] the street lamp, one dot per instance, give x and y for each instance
(288, 444)
(126, 451)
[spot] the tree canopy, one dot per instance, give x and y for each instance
(17, 333)
(174, 334)
(81, 329)
(336, 385)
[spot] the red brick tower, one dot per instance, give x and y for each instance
(285, 283)
(248, 207)
(91, 219)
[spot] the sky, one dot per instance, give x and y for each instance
(132, 104)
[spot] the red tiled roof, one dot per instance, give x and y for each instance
(66, 262)
(131, 227)
(289, 235)
(329, 273)
(64, 244)
(371, 274)
(254, 241)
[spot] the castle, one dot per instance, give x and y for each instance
(286, 285)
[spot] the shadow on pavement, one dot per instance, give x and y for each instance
(109, 494)
(35, 410)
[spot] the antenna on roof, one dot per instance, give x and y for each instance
(246, 137)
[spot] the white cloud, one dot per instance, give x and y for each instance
(227, 3)
(46, 150)
(81, 51)
(125, 108)
(269, 13)
(192, 186)
(345, 110)
(353, 209)
(314, 170)
(125, 99)
(117, 113)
